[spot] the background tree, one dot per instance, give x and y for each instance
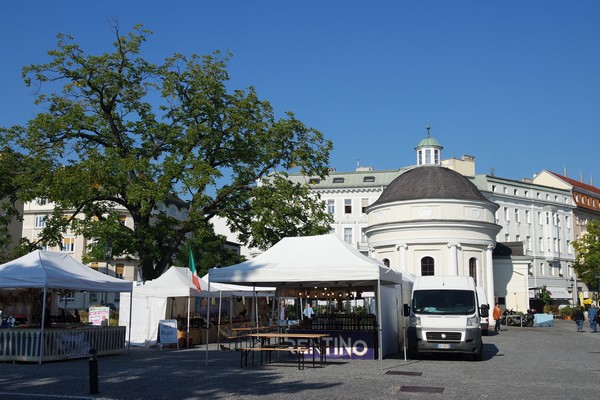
(9, 202)
(124, 132)
(210, 250)
(587, 255)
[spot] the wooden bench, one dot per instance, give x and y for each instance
(236, 340)
(268, 351)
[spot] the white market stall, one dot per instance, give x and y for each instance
(170, 295)
(46, 270)
(302, 264)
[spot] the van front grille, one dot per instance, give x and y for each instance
(443, 336)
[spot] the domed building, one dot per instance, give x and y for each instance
(432, 220)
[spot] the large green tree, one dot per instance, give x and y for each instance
(587, 258)
(10, 164)
(119, 131)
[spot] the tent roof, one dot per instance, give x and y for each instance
(176, 282)
(305, 261)
(40, 269)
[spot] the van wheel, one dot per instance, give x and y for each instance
(411, 352)
(478, 356)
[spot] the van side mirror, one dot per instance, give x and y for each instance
(484, 310)
(406, 311)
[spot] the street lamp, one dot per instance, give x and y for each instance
(107, 257)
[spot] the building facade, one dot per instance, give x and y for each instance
(536, 222)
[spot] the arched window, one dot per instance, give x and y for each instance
(427, 266)
(386, 262)
(473, 268)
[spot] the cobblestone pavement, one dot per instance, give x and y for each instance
(551, 363)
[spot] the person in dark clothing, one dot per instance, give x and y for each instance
(579, 318)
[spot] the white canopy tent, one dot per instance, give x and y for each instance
(150, 300)
(46, 269)
(325, 261)
(51, 270)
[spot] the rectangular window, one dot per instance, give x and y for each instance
(506, 214)
(348, 206)
(119, 270)
(369, 179)
(40, 221)
(541, 244)
(338, 180)
(507, 237)
(364, 203)
(331, 206)
(68, 245)
(436, 156)
(427, 156)
(348, 235)
(363, 236)
(528, 217)
(540, 219)
(547, 218)
(542, 271)
(517, 216)
(528, 241)
(41, 201)
(68, 297)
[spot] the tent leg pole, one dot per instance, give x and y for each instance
(130, 316)
(43, 323)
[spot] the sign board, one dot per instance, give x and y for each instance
(167, 331)
(99, 316)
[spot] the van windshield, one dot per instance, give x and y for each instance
(456, 302)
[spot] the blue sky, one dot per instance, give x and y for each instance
(515, 84)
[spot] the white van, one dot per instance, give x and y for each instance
(485, 321)
(445, 316)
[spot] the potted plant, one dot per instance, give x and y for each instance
(567, 312)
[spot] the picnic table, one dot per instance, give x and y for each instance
(295, 343)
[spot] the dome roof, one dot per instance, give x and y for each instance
(430, 182)
(429, 142)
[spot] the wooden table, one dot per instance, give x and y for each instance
(314, 342)
(237, 334)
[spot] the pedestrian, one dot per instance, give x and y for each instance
(579, 317)
(497, 314)
(592, 312)
(282, 314)
(308, 311)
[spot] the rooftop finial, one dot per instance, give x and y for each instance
(428, 127)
